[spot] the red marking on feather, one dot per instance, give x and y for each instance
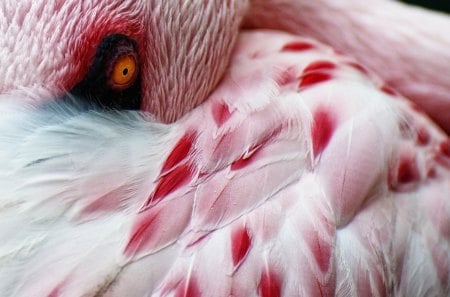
(108, 202)
(188, 289)
(168, 183)
(297, 46)
(442, 154)
(312, 78)
(321, 250)
(319, 65)
(240, 245)
(269, 285)
(444, 148)
(358, 67)
(202, 174)
(406, 172)
(180, 151)
(142, 233)
(431, 173)
(54, 292)
(388, 90)
(423, 136)
(322, 129)
(221, 113)
(417, 108)
(244, 161)
(247, 158)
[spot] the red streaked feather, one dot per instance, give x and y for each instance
(313, 78)
(444, 148)
(168, 183)
(358, 67)
(154, 228)
(188, 288)
(221, 113)
(297, 46)
(180, 152)
(322, 129)
(319, 65)
(321, 250)
(270, 284)
(240, 244)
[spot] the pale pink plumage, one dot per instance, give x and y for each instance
(302, 174)
(238, 197)
(406, 46)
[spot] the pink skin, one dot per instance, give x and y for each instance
(180, 71)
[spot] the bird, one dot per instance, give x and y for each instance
(223, 148)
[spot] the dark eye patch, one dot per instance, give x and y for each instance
(96, 88)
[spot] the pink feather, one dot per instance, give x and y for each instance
(301, 174)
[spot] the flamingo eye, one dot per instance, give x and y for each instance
(124, 71)
(113, 78)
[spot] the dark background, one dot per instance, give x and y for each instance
(442, 5)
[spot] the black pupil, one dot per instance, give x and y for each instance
(125, 72)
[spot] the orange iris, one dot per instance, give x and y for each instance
(124, 71)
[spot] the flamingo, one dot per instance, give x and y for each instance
(224, 148)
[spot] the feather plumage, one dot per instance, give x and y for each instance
(274, 186)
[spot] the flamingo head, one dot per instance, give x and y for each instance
(158, 56)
